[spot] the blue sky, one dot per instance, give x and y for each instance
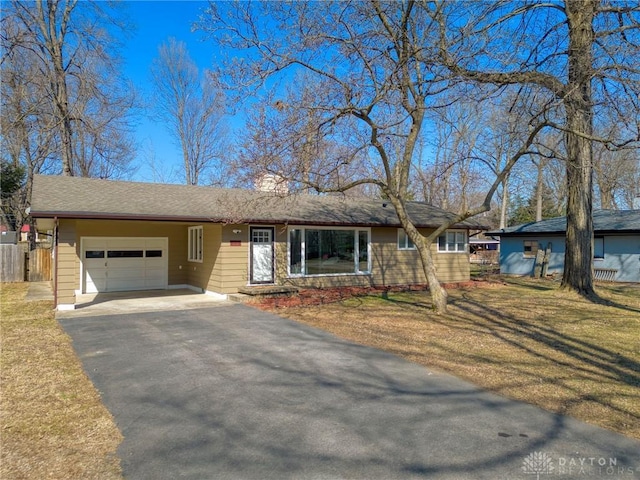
(155, 22)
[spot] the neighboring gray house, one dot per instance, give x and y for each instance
(616, 245)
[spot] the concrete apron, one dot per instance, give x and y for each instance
(114, 303)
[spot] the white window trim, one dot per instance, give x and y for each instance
(466, 242)
(303, 251)
(199, 232)
(406, 242)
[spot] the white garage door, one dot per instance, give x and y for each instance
(125, 263)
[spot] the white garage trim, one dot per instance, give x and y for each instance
(123, 264)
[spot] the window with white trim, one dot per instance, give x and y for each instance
(317, 251)
(455, 242)
(195, 244)
(404, 242)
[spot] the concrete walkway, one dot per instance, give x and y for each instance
(235, 393)
(39, 291)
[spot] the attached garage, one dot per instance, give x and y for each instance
(115, 264)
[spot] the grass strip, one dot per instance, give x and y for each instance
(53, 422)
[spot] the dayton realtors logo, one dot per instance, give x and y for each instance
(537, 463)
(540, 463)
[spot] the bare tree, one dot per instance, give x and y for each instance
(584, 55)
(192, 108)
(472, 139)
(48, 24)
(371, 70)
(615, 176)
(61, 86)
(28, 134)
(102, 137)
(71, 48)
(451, 175)
(281, 137)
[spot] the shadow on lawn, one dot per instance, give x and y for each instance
(582, 360)
(597, 299)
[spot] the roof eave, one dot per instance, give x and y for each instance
(120, 216)
(192, 219)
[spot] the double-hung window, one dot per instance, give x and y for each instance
(195, 244)
(404, 242)
(325, 251)
(453, 242)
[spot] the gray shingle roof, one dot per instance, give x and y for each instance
(603, 221)
(75, 197)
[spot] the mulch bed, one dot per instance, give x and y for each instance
(321, 296)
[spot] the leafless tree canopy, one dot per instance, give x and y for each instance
(64, 106)
(351, 84)
(61, 56)
(193, 110)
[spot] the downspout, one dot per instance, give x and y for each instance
(55, 262)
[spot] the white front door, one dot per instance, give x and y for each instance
(261, 255)
(124, 263)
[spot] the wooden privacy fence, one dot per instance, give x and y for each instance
(12, 261)
(40, 265)
(16, 265)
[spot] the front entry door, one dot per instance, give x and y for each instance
(261, 255)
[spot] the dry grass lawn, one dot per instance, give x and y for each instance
(53, 423)
(521, 338)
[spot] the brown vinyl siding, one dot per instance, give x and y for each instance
(67, 263)
(205, 274)
(397, 267)
(234, 260)
(224, 266)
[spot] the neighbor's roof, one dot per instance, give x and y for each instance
(604, 221)
(75, 197)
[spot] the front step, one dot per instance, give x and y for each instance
(268, 290)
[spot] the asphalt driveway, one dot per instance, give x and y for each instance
(230, 392)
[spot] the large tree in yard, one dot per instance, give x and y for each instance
(65, 108)
(192, 109)
(585, 56)
(67, 49)
(364, 75)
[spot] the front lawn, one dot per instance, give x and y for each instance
(53, 423)
(521, 338)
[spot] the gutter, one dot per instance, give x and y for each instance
(229, 221)
(55, 262)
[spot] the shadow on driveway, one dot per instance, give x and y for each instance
(234, 392)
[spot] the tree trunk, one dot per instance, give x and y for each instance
(606, 197)
(438, 293)
(54, 30)
(578, 274)
(539, 187)
(505, 202)
(423, 246)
